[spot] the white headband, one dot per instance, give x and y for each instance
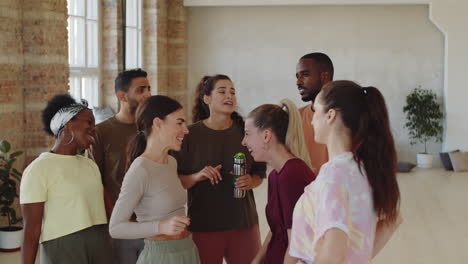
(64, 115)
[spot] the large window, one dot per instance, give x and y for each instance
(83, 47)
(133, 45)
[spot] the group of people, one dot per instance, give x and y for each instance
(332, 191)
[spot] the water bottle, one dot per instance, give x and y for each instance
(239, 170)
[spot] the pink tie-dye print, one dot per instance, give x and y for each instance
(340, 197)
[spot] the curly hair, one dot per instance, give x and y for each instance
(53, 106)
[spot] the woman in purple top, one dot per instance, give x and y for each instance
(274, 134)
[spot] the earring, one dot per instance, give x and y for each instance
(73, 137)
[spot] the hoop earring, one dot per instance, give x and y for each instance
(73, 137)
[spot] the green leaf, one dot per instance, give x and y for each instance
(11, 161)
(15, 154)
(17, 172)
(16, 176)
(13, 218)
(5, 146)
(9, 194)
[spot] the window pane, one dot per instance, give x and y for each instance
(131, 48)
(140, 48)
(76, 7)
(131, 13)
(93, 45)
(89, 90)
(92, 9)
(76, 36)
(139, 14)
(71, 43)
(75, 87)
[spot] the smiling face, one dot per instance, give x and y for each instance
(254, 140)
(223, 98)
(173, 129)
(83, 129)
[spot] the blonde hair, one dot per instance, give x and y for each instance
(295, 140)
(285, 122)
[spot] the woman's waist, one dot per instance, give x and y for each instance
(145, 216)
(161, 237)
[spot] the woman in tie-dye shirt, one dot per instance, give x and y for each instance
(351, 210)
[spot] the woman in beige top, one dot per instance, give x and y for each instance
(151, 188)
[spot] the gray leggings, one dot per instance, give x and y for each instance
(87, 246)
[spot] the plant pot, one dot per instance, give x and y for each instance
(424, 160)
(11, 238)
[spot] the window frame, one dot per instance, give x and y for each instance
(83, 71)
(139, 31)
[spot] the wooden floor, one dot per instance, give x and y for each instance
(435, 228)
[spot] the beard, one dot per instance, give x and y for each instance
(133, 105)
(310, 96)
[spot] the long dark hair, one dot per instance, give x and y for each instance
(201, 110)
(364, 112)
(154, 106)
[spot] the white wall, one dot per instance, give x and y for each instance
(450, 16)
(394, 48)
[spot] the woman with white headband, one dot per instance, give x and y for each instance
(61, 192)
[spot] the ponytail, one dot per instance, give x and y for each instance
(200, 110)
(364, 112)
(238, 119)
(295, 140)
(136, 147)
(374, 145)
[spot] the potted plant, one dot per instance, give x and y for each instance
(423, 120)
(11, 235)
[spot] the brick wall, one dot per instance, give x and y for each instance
(111, 49)
(33, 68)
(45, 70)
(11, 73)
(177, 51)
(150, 42)
(172, 50)
(34, 60)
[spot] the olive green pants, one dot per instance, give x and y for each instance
(181, 251)
(87, 246)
